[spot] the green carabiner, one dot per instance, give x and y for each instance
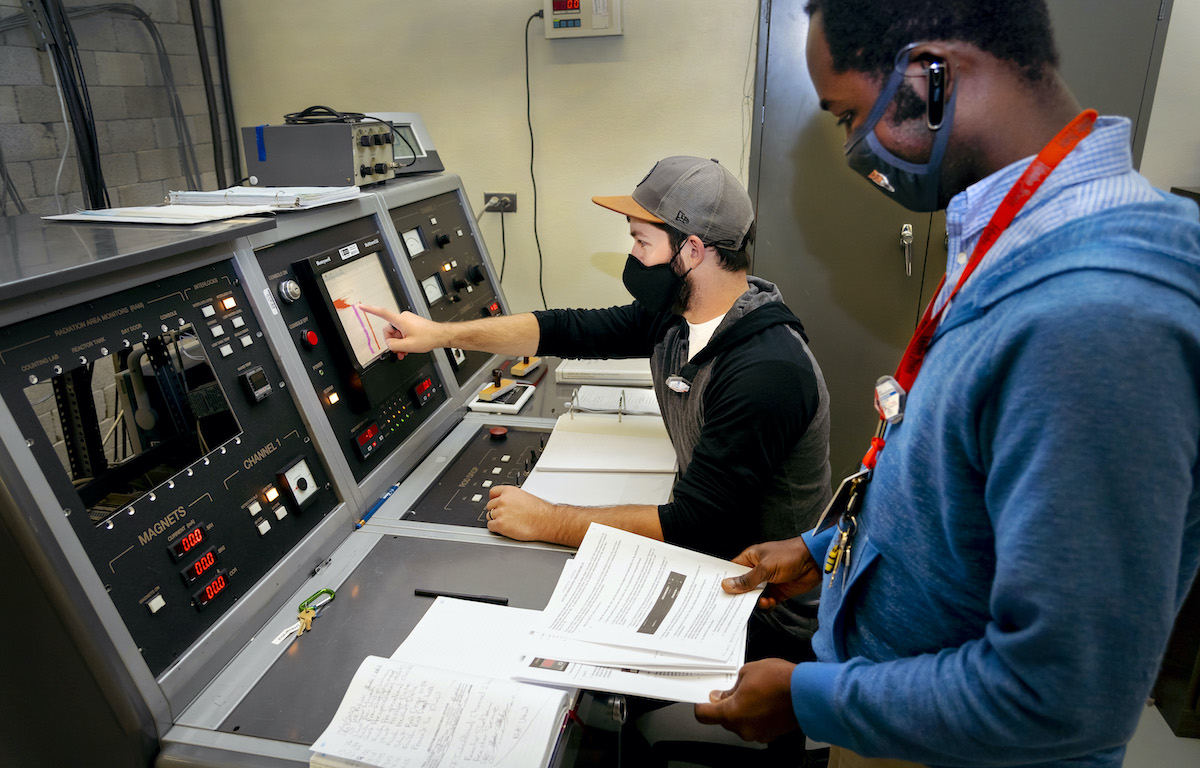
(309, 602)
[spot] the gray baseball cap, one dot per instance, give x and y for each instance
(694, 195)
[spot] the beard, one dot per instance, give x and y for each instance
(683, 299)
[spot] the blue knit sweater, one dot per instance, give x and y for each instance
(1033, 524)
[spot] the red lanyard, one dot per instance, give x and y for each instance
(1045, 162)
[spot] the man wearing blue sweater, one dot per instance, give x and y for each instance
(1004, 590)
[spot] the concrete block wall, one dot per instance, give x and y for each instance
(104, 396)
(138, 141)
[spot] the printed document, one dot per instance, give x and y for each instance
(630, 590)
(448, 636)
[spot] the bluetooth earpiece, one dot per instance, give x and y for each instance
(935, 108)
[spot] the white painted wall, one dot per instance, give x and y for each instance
(604, 109)
(1171, 157)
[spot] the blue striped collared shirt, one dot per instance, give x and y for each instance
(1098, 174)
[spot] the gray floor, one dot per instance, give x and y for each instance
(1155, 746)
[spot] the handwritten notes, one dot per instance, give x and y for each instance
(399, 714)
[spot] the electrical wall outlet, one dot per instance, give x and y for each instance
(507, 204)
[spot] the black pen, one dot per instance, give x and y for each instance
(460, 596)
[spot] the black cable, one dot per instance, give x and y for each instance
(503, 248)
(189, 164)
(403, 138)
(319, 114)
(188, 161)
(210, 95)
(235, 155)
(7, 187)
(532, 178)
(924, 266)
(60, 45)
(187, 152)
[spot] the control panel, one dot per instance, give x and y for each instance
(495, 455)
(333, 154)
(159, 418)
(445, 259)
(373, 399)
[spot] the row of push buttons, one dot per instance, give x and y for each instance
(495, 471)
(238, 322)
(566, 23)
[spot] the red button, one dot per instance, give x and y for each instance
(309, 338)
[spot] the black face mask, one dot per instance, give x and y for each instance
(913, 185)
(656, 287)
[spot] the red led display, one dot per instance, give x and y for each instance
(200, 567)
(566, 5)
(187, 543)
(211, 590)
(424, 386)
(368, 434)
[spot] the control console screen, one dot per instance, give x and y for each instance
(361, 281)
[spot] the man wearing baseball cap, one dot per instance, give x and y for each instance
(742, 397)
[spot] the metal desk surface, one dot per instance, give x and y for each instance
(36, 254)
(374, 611)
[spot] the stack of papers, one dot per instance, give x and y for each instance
(276, 198)
(635, 400)
(641, 616)
(202, 207)
(163, 214)
(629, 615)
(633, 372)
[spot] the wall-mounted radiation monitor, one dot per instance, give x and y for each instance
(582, 18)
(373, 400)
(413, 148)
(155, 417)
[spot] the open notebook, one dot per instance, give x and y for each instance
(605, 442)
(397, 714)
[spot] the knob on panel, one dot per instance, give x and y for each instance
(443, 240)
(475, 274)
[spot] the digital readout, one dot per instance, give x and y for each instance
(197, 569)
(187, 543)
(210, 591)
(368, 434)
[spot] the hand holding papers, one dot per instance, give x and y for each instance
(631, 591)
